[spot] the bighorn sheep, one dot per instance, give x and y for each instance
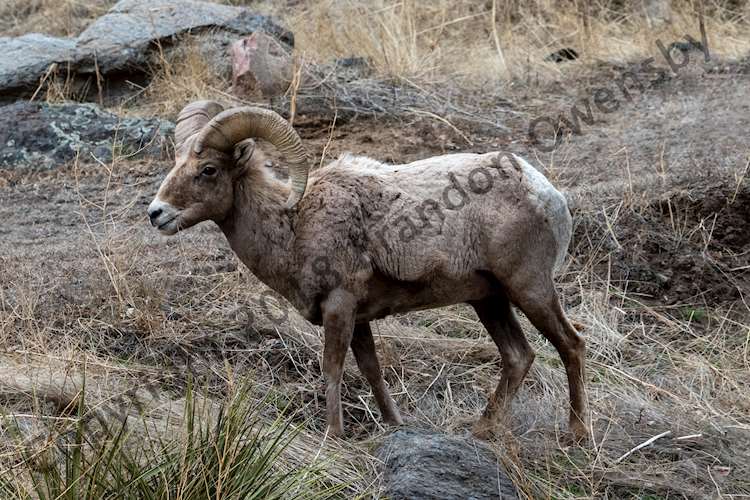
(369, 239)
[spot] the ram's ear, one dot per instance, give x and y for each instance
(243, 151)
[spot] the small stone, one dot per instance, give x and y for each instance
(662, 278)
(658, 12)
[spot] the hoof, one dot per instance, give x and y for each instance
(335, 431)
(484, 429)
(396, 421)
(392, 417)
(579, 431)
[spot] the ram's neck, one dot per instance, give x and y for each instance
(260, 232)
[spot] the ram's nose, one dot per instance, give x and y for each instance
(153, 215)
(155, 211)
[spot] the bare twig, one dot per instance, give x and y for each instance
(643, 445)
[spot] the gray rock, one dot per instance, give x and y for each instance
(353, 62)
(421, 465)
(214, 47)
(24, 59)
(123, 38)
(38, 136)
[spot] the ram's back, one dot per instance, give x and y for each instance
(448, 216)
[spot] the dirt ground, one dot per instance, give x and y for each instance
(659, 271)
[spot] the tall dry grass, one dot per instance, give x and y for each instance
(469, 55)
(495, 42)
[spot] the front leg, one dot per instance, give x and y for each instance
(363, 347)
(339, 311)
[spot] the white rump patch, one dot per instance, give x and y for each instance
(554, 204)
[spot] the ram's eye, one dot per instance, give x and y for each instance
(208, 171)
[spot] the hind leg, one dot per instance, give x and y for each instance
(537, 298)
(501, 323)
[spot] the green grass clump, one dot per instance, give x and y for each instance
(233, 455)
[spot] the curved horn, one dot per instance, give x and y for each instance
(193, 118)
(234, 125)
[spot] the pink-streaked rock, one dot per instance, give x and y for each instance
(261, 67)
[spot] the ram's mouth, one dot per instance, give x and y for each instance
(170, 226)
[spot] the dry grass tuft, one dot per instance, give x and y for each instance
(53, 17)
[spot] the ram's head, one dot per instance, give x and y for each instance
(214, 148)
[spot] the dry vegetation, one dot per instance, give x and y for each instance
(658, 271)
(53, 17)
(457, 43)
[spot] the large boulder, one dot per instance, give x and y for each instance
(124, 37)
(121, 41)
(38, 136)
(25, 59)
(421, 465)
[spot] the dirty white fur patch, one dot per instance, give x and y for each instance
(554, 204)
(425, 179)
